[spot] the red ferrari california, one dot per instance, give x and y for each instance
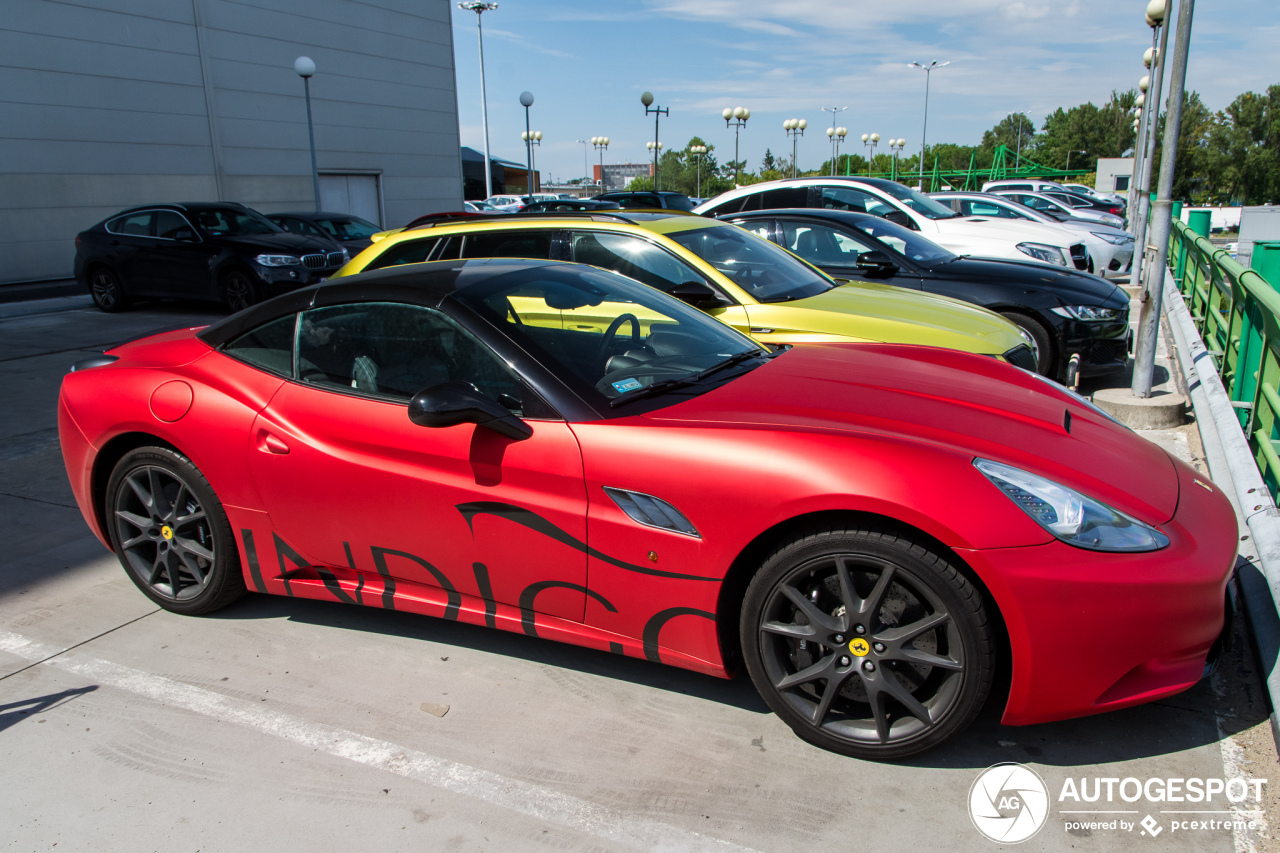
(555, 449)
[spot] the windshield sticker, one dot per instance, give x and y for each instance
(626, 385)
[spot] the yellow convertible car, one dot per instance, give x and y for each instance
(732, 274)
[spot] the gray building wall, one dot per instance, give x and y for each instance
(112, 103)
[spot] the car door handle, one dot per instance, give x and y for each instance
(269, 443)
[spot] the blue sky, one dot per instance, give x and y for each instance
(587, 62)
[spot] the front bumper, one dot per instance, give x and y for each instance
(283, 279)
(1093, 632)
(1103, 347)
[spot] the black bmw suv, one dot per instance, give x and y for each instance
(218, 251)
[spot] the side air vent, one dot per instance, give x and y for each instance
(651, 512)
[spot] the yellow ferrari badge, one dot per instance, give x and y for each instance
(167, 533)
(859, 646)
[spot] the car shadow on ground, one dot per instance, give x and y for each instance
(1173, 725)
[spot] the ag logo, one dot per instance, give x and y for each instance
(1008, 803)
(859, 647)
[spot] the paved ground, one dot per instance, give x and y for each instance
(304, 724)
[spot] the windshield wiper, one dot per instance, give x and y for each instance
(692, 379)
(954, 259)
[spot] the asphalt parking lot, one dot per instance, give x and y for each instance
(280, 722)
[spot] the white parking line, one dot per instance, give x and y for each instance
(531, 800)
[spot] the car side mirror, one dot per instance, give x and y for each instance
(456, 402)
(184, 235)
(898, 217)
(699, 294)
(877, 261)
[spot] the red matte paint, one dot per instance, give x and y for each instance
(337, 497)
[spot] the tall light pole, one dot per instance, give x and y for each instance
(656, 148)
(837, 135)
(601, 143)
(526, 101)
(586, 170)
(831, 132)
(1140, 145)
(1017, 163)
(480, 8)
(532, 139)
(646, 98)
(870, 140)
(737, 119)
(795, 129)
(1069, 153)
(895, 145)
(699, 151)
(305, 68)
(928, 73)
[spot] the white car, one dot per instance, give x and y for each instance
(982, 238)
(1110, 248)
(1031, 185)
(505, 203)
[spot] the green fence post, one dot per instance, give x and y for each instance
(1266, 260)
(1177, 210)
(1198, 221)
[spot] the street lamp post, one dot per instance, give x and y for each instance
(480, 8)
(526, 101)
(532, 139)
(895, 145)
(305, 68)
(586, 170)
(831, 133)
(795, 129)
(601, 143)
(837, 135)
(737, 118)
(698, 151)
(646, 98)
(928, 72)
(656, 148)
(870, 140)
(1069, 153)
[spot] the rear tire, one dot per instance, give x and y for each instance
(170, 532)
(239, 290)
(108, 291)
(1045, 362)
(867, 643)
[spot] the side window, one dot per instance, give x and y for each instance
(171, 226)
(393, 350)
(847, 198)
(136, 225)
(633, 257)
(508, 244)
(758, 227)
(821, 245)
(785, 197)
(270, 346)
(407, 252)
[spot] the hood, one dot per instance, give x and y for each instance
(1072, 287)
(293, 244)
(1019, 231)
(975, 407)
(883, 313)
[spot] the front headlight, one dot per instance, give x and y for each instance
(278, 260)
(1088, 312)
(1044, 252)
(1070, 516)
(1113, 239)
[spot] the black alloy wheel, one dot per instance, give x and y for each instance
(866, 643)
(1042, 343)
(170, 532)
(238, 290)
(107, 291)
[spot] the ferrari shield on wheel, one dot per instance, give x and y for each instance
(866, 643)
(171, 533)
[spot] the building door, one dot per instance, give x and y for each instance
(354, 194)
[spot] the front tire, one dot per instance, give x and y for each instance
(1043, 341)
(108, 291)
(866, 643)
(239, 290)
(170, 532)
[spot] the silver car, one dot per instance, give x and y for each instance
(1053, 206)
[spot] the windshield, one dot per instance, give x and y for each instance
(605, 335)
(919, 202)
(235, 223)
(904, 241)
(679, 202)
(766, 272)
(349, 228)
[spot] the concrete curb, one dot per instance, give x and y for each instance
(1162, 410)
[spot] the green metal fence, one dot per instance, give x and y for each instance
(1238, 315)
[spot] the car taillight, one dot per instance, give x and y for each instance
(77, 241)
(1114, 211)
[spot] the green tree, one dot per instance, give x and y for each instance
(1015, 131)
(1242, 158)
(1082, 134)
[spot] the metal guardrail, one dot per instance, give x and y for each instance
(1237, 313)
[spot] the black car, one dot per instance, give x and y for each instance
(218, 251)
(1065, 312)
(352, 232)
(564, 204)
(649, 200)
